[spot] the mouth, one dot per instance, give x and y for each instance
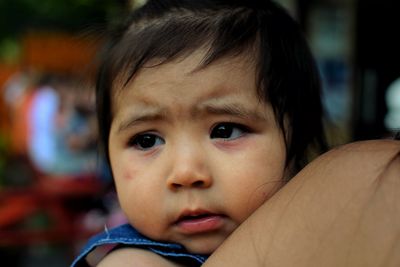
(197, 222)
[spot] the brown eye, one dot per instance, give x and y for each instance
(146, 141)
(228, 131)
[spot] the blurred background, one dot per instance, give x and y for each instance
(54, 189)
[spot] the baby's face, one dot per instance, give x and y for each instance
(194, 152)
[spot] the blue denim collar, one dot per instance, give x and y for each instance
(126, 235)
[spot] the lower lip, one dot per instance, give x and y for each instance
(201, 225)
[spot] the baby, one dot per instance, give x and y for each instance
(206, 109)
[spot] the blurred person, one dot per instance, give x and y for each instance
(18, 96)
(62, 135)
(392, 118)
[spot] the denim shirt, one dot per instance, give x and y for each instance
(127, 236)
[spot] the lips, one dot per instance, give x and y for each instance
(197, 222)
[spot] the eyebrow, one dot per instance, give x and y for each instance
(231, 109)
(145, 116)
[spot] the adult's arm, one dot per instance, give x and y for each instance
(135, 257)
(343, 209)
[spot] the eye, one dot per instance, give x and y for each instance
(228, 131)
(146, 141)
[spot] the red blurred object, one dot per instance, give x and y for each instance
(50, 196)
(60, 52)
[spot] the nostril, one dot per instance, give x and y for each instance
(176, 185)
(189, 181)
(198, 184)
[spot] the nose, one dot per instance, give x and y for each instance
(189, 169)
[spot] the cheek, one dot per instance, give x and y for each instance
(255, 180)
(268, 172)
(125, 169)
(138, 205)
(128, 174)
(251, 198)
(125, 178)
(142, 209)
(128, 184)
(261, 191)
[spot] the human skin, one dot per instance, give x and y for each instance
(343, 209)
(128, 257)
(194, 151)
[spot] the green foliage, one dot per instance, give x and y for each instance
(18, 16)
(10, 50)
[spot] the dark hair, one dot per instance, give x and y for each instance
(287, 76)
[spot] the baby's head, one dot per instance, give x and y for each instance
(205, 109)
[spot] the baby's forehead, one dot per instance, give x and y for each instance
(185, 79)
(190, 63)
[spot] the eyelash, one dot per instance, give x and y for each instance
(151, 139)
(226, 131)
(229, 128)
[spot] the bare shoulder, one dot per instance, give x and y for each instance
(342, 209)
(362, 155)
(376, 146)
(134, 257)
